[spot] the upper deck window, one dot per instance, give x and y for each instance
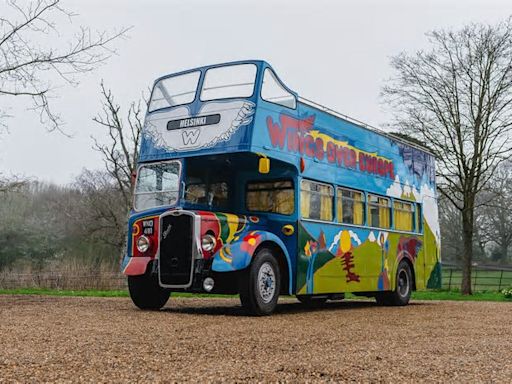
(175, 90)
(274, 92)
(228, 82)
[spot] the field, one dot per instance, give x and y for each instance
(44, 338)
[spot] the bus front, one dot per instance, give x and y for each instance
(204, 209)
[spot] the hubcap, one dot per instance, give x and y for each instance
(403, 283)
(266, 282)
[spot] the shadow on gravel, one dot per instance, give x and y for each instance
(284, 308)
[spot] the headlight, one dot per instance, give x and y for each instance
(143, 244)
(208, 243)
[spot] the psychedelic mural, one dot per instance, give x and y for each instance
(334, 257)
(238, 237)
(356, 260)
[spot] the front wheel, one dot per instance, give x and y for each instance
(146, 293)
(403, 289)
(260, 285)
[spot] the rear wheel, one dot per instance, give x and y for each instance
(403, 289)
(146, 293)
(259, 286)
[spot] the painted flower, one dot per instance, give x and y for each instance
(310, 248)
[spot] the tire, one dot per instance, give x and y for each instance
(401, 295)
(312, 301)
(146, 293)
(260, 285)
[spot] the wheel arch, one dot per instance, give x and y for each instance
(282, 261)
(239, 254)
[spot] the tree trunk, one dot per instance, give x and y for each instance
(504, 251)
(467, 257)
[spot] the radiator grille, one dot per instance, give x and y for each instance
(176, 258)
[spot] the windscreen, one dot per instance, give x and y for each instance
(157, 185)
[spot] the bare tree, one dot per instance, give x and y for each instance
(11, 184)
(29, 65)
(451, 231)
(495, 217)
(457, 98)
(105, 216)
(121, 153)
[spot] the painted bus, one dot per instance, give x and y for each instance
(243, 187)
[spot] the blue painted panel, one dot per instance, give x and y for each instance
(340, 152)
(232, 133)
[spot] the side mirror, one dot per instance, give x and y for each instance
(264, 165)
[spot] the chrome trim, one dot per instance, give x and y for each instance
(196, 227)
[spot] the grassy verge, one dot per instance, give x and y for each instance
(87, 293)
(424, 295)
(455, 295)
(64, 292)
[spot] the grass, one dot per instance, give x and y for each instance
(456, 295)
(64, 292)
(89, 293)
(423, 295)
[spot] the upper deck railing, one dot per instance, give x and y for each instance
(362, 124)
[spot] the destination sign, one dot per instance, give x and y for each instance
(192, 122)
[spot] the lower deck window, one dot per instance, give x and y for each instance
(316, 200)
(350, 206)
(213, 194)
(404, 217)
(271, 196)
(379, 214)
(418, 218)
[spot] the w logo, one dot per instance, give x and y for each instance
(190, 136)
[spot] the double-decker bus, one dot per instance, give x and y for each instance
(243, 187)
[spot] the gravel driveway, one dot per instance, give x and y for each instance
(108, 339)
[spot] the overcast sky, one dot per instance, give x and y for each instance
(333, 52)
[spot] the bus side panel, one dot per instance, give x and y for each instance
(334, 258)
(432, 244)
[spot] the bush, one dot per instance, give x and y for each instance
(507, 293)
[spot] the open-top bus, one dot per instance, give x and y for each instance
(244, 188)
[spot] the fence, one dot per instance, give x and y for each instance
(63, 280)
(483, 278)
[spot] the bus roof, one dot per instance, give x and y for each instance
(262, 63)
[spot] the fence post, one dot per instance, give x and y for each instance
(474, 281)
(450, 280)
(501, 277)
